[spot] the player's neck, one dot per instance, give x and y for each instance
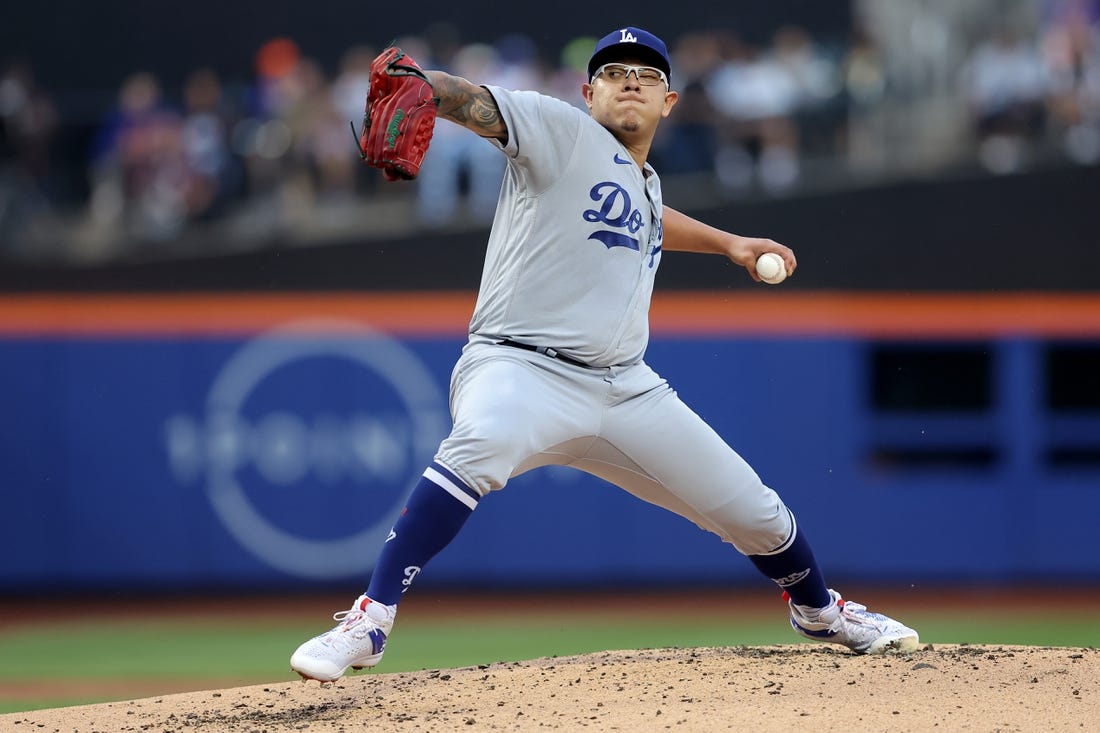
(639, 153)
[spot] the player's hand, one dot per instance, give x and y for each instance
(745, 251)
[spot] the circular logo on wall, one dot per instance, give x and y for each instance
(313, 434)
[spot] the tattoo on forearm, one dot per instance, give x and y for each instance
(469, 105)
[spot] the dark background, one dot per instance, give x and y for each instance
(78, 46)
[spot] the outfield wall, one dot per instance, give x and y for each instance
(178, 441)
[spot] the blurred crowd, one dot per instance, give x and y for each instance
(1023, 88)
(243, 162)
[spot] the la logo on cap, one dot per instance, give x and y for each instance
(627, 36)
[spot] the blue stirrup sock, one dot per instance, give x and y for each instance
(438, 506)
(794, 569)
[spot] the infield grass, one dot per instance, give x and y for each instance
(113, 659)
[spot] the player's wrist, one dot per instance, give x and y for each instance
(738, 249)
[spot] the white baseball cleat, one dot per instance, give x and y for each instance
(852, 625)
(357, 641)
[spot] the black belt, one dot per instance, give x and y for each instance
(546, 350)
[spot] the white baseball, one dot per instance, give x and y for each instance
(771, 268)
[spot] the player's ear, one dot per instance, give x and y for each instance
(671, 98)
(586, 92)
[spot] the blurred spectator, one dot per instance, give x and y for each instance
(28, 123)
(863, 74)
(214, 179)
(322, 137)
(139, 171)
(1006, 87)
(564, 81)
(697, 54)
(689, 143)
(349, 96)
(819, 104)
(262, 138)
(519, 66)
(758, 139)
(283, 140)
(460, 167)
(1071, 50)
(352, 82)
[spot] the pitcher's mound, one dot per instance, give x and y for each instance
(759, 689)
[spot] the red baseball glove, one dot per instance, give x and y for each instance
(400, 116)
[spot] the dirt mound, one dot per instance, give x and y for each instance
(777, 688)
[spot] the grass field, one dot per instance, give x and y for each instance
(48, 663)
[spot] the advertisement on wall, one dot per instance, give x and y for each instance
(145, 446)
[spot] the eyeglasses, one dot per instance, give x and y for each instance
(647, 76)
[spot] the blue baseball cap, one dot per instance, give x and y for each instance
(630, 41)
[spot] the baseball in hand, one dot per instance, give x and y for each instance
(771, 268)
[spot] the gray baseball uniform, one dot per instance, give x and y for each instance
(570, 266)
(553, 371)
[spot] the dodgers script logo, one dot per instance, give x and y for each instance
(617, 210)
(307, 442)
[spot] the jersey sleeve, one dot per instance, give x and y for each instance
(542, 134)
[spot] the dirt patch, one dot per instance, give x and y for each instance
(777, 688)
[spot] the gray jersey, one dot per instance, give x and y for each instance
(570, 265)
(577, 237)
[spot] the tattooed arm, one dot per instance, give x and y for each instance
(468, 105)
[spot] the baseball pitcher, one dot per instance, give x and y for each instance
(554, 370)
